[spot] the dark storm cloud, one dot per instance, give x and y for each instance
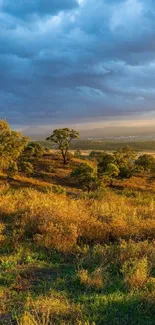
(76, 59)
(25, 8)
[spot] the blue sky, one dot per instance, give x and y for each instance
(77, 61)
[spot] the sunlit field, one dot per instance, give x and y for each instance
(72, 257)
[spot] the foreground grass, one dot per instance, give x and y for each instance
(84, 262)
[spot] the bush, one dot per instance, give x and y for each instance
(57, 189)
(54, 309)
(27, 168)
(147, 162)
(86, 176)
(136, 273)
(93, 280)
(104, 161)
(33, 149)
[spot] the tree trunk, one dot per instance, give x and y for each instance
(64, 158)
(65, 161)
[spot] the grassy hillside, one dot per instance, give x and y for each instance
(68, 257)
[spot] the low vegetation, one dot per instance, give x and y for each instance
(77, 240)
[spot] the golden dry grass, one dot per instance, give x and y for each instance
(60, 222)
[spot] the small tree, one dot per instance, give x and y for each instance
(27, 168)
(86, 177)
(12, 143)
(117, 165)
(146, 162)
(28, 157)
(126, 153)
(63, 138)
(112, 172)
(32, 150)
(126, 170)
(96, 155)
(103, 162)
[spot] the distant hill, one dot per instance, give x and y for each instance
(40, 133)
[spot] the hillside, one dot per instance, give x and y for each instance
(75, 258)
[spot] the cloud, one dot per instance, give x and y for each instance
(73, 60)
(26, 8)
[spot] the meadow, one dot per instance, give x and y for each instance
(72, 257)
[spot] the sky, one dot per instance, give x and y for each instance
(84, 62)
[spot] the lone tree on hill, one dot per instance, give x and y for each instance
(63, 138)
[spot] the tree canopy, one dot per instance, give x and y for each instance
(146, 162)
(86, 176)
(120, 162)
(12, 143)
(63, 138)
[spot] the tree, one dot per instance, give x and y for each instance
(146, 162)
(104, 160)
(120, 164)
(27, 168)
(126, 153)
(96, 155)
(33, 150)
(124, 159)
(86, 176)
(12, 143)
(63, 138)
(112, 172)
(108, 170)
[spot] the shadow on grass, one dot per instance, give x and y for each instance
(41, 183)
(119, 309)
(102, 307)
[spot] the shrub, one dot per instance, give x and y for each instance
(93, 280)
(103, 162)
(59, 236)
(86, 176)
(96, 155)
(54, 309)
(147, 162)
(136, 273)
(57, 189)
(27, 168)
(137, 250)
(33, 149)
